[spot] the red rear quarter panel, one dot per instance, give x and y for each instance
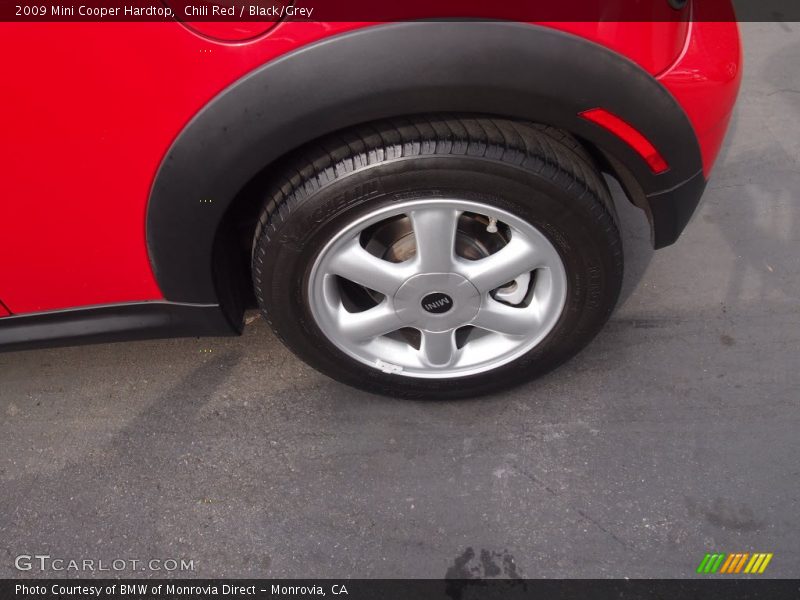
(705, 81)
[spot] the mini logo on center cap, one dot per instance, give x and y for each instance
(437, 303)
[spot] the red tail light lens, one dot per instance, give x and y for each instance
(630, 136)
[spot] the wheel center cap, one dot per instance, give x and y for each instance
(437, 303)
(453, 303)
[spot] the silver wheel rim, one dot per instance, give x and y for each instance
(437, 313)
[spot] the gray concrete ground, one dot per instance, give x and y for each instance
(674, 434)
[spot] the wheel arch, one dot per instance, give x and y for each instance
(502, 69)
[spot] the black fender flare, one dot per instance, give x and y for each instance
(499, 68)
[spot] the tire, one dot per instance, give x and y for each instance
(388, 186)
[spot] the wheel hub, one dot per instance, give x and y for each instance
(437, 301)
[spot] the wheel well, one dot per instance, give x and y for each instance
(234, 238)
(626, 179)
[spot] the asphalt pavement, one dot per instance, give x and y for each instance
(675, 433)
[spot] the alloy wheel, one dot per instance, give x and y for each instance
(437, 288)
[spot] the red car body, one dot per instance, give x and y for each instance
(93, 114)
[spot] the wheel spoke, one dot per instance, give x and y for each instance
(364, 326)
(435, 234)
(438, 348)
(356, 264)
(512, 260)
(508, 320)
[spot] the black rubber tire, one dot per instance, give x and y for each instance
(538, 173)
